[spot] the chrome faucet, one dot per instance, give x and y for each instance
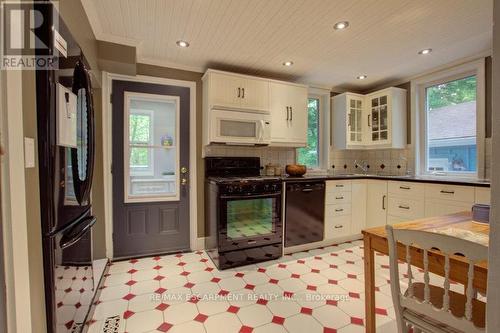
(363, 166)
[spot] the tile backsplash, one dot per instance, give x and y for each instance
(273, 155)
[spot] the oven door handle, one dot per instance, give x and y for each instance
(250, 196)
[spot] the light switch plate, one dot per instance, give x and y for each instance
(29, 152)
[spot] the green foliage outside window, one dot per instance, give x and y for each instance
(452, 93)
(139, 128)
(310, 155)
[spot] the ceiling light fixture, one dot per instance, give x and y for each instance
(288, 63)
(425, 51)
(182, 43)
(341, 25)
(361, 77)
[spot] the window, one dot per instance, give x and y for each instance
(451, 126)
(310, 154)
(140, 134)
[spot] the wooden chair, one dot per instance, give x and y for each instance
(430, 308)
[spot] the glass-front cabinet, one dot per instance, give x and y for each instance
(378, 119)
(355, 120)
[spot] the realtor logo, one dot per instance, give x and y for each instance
(22, 46)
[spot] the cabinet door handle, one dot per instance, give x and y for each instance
(287, 113)
(339, 185)
(339, 198)
(405, 188)
(239, 92)
(338, 226)
(383, 202)
(349, 120)
(243, 94)
(291, 113)
(447, 192)
(404, 207)
(369, 125)
(339, 209)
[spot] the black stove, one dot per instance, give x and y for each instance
(243, 212)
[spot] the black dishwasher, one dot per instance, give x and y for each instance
(304, 212)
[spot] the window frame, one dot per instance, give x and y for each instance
(138, 170)
(419, 116)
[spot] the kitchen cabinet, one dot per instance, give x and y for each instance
(483, 195)
(376, 203)
(406, 201)
(288, 104)
(448, 199)
(337, 209)
(376, 120)
(228, 90)
(358, 211)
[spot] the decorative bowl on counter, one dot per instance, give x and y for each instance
(296, 170)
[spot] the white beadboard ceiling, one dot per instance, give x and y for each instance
(256, 36)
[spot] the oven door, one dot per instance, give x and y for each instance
(240, 128)
(249, 220)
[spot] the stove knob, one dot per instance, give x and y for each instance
(230, 189)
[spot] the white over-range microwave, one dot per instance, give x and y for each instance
(240, 127)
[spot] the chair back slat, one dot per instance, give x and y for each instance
(420, 297)
(446, 296)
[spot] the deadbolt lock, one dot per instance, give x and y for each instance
(184, 170)
(184, 181)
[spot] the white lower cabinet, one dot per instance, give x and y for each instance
(376, 203)
(483, 195)
(358, 210)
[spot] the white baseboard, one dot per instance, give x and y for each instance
(199, 244)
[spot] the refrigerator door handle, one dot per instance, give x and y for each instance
(77, 232)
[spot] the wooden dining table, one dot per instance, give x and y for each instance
(375, 240)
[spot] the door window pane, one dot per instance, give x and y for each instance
(309, 155)
(152, 133)
(451, 126)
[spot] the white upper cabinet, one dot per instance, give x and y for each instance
(376, 120)
(229, 90)
(288, 114)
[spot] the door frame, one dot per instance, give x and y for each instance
(107, 82)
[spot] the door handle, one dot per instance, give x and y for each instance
(369, 125)
(307, 190)
(338, 226)
(404, 188)
(404, 207)
(339, 209)
(243, 95)
(339, 198)
(184, 181)
(184, 170)
(383, 202)
(287, 113)
(239, 92)
(291, 113)
(447, 192)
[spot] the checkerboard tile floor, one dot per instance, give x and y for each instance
(320, 290)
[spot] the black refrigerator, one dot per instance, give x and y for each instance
(65, 118)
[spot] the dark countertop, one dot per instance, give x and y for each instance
(417, 179)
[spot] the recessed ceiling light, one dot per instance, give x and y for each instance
(425, 51)
(341, 25)
(361, 77)
(182, 43)
(288, 63)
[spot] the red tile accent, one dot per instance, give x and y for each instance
(233, 309)
(261, 270)
(132, 271)
(156, 258)
(329, 330)
(240, 275)
(300, 261)
(380, 311)
(81, 290)
(181, 264)
(333, 281)
(209, 269)
(159, 277)
(357, 321)
(69, 324)
(133, 261)
(273, 281)
(318, 258)
(313, 288)
(189, 285)
(185, 273)
(164, 327)
(246, 329)
(128, 297)
(215, 280)
(160, 290)
(377, 289)
(282, 266)
(262, 301)
(223, 292)
(314, 270)
(78, 305)
(334, 254)
(250, 287)
(67, 290)
(295, 276)
(131, 283)
(194, 299)
(353, 295)
(348, 251)
(306, 311)
(162, 306)
(204, 260)
(351, 276)
(157, 267)
(201, 317)
(287, 294)
(278, 320)
(127, 314)
(60, 304)
(179, 255)
(331, 302)
(350, 262)
(333, 266)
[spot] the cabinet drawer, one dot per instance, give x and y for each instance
(406, 208)
(338, 186)
(414, 190)
(337, 227)
(435, 207)
(337, 210)
(450, 192)
(335, 198)
(483, 195)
